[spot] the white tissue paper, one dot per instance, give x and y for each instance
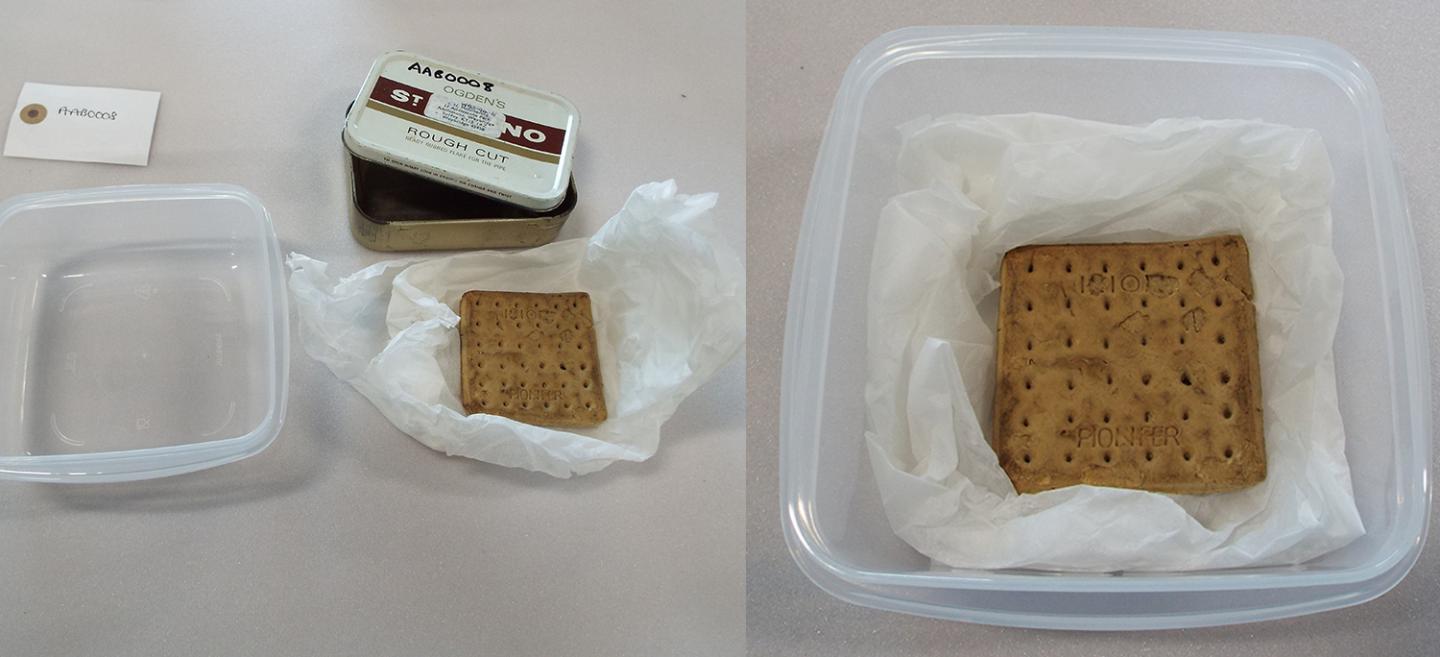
(668, 297)
(973, 188)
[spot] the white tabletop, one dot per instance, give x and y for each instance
(797, 53)
(346, 537)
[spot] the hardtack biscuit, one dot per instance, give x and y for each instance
(530, 357)
(1129, 365)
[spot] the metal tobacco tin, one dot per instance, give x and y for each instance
(464, 129)
(396, 211)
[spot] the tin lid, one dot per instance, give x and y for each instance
(465, 129)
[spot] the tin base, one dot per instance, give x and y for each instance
(397, 211)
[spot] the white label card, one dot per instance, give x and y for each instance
(82, 124)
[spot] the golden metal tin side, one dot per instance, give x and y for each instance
(397, 211)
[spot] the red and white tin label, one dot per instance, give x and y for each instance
(466, 129)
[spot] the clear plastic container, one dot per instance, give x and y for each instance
(832, 516)
(144, 333)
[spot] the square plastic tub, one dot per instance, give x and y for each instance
(833, 519)
(144, 332)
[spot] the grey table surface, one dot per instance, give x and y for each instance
(346, 537)
(798, 50)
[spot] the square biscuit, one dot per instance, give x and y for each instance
(1129, 365)
(530, 357)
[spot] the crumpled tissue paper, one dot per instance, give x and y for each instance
(668, 296)
(974, 187)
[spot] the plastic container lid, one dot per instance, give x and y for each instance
(145, 333)
(833, 519)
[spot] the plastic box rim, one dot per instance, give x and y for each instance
(812, 290)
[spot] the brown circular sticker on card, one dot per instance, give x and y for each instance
(33, 113)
